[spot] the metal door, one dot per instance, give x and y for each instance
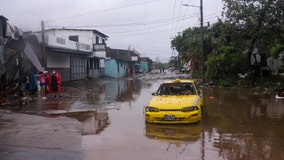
(78, 68)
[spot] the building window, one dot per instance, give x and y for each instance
(91, 63)
(98, 63)
(60, 40)
(74, 38)
(97, 40)
(118, 67)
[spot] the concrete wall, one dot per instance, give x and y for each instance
(57, 60)
(84, 36)
(114, 68)
(144, 67)
(60, 63)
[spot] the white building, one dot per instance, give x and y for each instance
(75, 53)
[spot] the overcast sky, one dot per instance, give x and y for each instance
(145, 25)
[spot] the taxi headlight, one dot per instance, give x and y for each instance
(151, 109)
(189, 109)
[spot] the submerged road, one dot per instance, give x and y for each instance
(40, 130)
(103, 119)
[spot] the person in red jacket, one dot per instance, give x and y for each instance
(55, 84)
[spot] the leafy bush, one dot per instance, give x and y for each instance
(227, 63)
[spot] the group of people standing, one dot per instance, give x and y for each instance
(49, 83)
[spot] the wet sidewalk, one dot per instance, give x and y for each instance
(33, 129)
(28, 137)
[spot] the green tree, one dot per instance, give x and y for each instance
(225, 65)
(278, 46)
(229, 43)
(227, 60)
(259, 21)
(248, 24)
(188, 46)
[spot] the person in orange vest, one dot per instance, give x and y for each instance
(55, 84)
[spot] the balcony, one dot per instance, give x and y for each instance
(62, 44)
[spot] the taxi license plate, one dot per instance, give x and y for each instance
(169, 117)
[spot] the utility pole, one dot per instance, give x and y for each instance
(43, 45)
(202, 41)
(201, 38)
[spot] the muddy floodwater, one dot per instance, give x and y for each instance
(237, 124)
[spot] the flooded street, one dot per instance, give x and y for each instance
(236, 124)
(142, 80)
(240, 124)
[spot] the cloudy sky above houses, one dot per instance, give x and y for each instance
(144, 25)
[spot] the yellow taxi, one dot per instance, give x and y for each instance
(175, 101)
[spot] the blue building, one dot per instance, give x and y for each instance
(121, 63)
(145, 64)
(115, 68)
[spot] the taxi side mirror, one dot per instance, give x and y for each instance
(199, 92)
(154, 93)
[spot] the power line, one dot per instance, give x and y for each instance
(183, 16)
(99, 11)
(162, 23)
(181, 2)
(165, 23)
(145, 23)
(173, 17)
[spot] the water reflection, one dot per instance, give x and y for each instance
(93, 122)
(121, 90)
(81, 95)
(177, 137)
(174, 134)
(244, 125)
(89, 102)
(268, 107)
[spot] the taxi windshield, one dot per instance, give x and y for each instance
(176, 89)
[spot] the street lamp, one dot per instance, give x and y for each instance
(201, 36)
